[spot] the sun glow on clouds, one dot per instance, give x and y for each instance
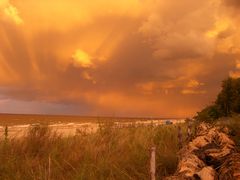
(9, 12)
(220, 26)
(135, 57)
(194, 83)
(82, 59)
(12, 12)
(190, 91)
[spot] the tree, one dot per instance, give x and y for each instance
(236, 96)
(225, 97)
(227, 102)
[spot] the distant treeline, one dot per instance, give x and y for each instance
(226, 104)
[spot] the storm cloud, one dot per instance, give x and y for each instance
(126, 58)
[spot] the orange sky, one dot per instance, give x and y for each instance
(121, 58)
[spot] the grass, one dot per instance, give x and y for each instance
(109, 153)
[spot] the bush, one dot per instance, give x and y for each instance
(208, 114)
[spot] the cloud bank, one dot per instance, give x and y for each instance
(126, 58)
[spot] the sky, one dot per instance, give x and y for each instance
(116, 58)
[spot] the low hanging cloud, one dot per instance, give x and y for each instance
(236, 73)
(129, 57)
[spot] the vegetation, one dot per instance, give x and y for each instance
(109, 153)
(226, 104)
(225, 109)
(233, 124)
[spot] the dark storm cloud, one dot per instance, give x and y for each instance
(234, 3)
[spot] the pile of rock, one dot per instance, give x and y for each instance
(211, 155)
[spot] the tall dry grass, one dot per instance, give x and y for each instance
(110, 153)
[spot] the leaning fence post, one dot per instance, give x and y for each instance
(153, 163)
(179, 137)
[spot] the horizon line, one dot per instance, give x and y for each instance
(93, 116)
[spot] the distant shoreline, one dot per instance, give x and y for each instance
(19, 119)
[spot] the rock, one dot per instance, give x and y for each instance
(207, 173)
(230, 169)
(201, 158)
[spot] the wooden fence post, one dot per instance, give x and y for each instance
(49, 167)
(180, 137)
(153, 163)
(189, 132)
(6, 133)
